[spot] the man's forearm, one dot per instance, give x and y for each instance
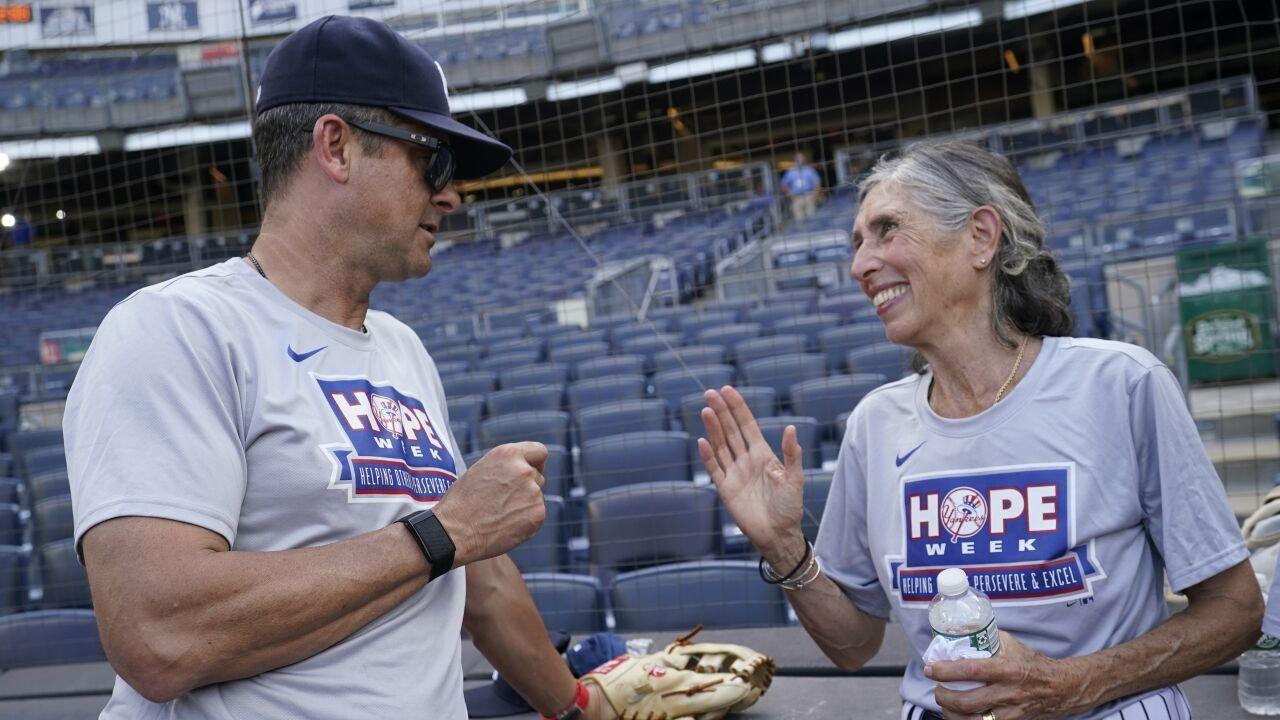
(506, 628)
(225, 615)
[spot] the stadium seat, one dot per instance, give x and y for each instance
(10, 525)
(43, 460)
(13, 588)
(579, 351)
(762, 401)
(728, 336)
(651, 523)
(673, 385)
(782, 371)
(837, 342)
(772, 346)
(578, 337)
(47, 485)
(692, 326)
(892, 361)
(49, 637)
(549, 427)
(463, 434)
(51, 519)
(571, 603)
(620, 417)
(535, 374)
(711, 593)
(547, 550)
(630, 458)
(469, 354)
(688, 355)
(524, 399)
(611, 366)
(817, 485)
(453, 367)
(773, 309)
(824, 399)
(467, 408)
(648, 346)
(11, 492)
(63, 582)
(809, 327)
(605, 389)
(479, 382)
(509, 361)
(22, 442)
(534, 345)
(806, 434)
(623, 334)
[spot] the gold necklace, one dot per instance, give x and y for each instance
(1012, 373)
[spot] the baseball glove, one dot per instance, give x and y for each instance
(702, 681)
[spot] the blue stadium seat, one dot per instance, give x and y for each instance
(674, 385)
(577, 337)
(605, 389)
(13, 588)
(690, 327)
(620, 417)
(519, 345)
(782, 371)
(467, 408)
(43, 460)
(523, 399)
(651, 523)
(688, 355)
(808, 327)
(63, 582)
(51, 520)
(572, 603)
(806, 434)
(49, 637)
(711, 593)
(47, 485)
(549, 427)
(479, 382)
(11, 492)
(469, 354)
(622, 334)
(728, 336)
(631, 458)
(22, 442)
(771, 346)
(547, 550)
(578, 352)
(824, 399)
(610, 366)
(836, 342)
(535, 374)
(885, 358)
(817, 485)
(649, 346)
(464, 433)
(510, 361)
(451, 368)
(762, 401)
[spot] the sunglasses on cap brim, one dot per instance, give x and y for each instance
(440, 168)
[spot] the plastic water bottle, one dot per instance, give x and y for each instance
(959, 611)
(1258, 682)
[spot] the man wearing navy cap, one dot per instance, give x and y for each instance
(272, 510)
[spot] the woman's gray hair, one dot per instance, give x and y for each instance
(949, 180)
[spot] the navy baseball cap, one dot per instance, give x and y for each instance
(360, 61)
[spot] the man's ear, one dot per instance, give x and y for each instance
(333, 143)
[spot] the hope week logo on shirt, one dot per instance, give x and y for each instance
(1012, 529)
(393, 449)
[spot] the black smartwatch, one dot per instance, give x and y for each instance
(433, 539)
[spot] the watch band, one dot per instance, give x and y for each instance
(433, 539)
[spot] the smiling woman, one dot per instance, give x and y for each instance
(1085, 478)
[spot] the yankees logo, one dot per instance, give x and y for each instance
(964, 513)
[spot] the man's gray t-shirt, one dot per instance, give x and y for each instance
(1066, 503)
(215, 400)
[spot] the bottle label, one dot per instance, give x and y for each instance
(988, 638)
(1267, 642)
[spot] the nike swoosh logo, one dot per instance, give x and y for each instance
(299, 357)
(903, 458)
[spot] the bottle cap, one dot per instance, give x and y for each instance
(953, 581)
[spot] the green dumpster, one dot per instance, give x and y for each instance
(1227, 304)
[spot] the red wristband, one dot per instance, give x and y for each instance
(580, 699)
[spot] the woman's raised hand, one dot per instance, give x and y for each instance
(765, 496)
